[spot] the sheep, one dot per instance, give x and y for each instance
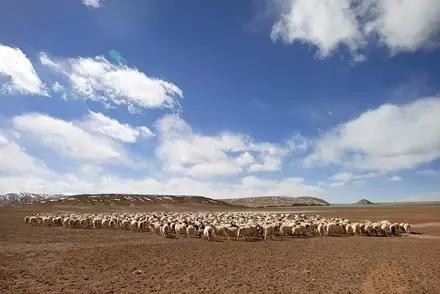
(220, 231)
(321, 229)
(271, 230)
(395, 229)
(143, 226)
(97, 223)
(65, 222)
(57, 221)
(369, 230)
(166, 230)
(33, 220)
(378, 229)
(349, 229)
(71, 223)
(286, 230)
(105, 223)
(231, 231)
(134, 225)
(235, 225)
(180, 229)
(385, 229)
(209, 233)
(331, 229)
(191, 231)
(85, 223)
(125, 224)
(250, 232)
(355, 229)
(155, 228)
(300, 230)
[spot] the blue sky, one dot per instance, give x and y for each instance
(338, 100)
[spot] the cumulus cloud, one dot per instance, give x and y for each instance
(323, 23)
(292, 186)
(59, 89)
(20, 171)
(102, 183)
(99, 80)
(388, 138)
(402, 25)
(104, 125)
(342, 178)
(15, 161)
(17, 74)
(92, 3)
(187, 152)
(65, 137)
(429, 172)
(406, 25)
(395, 179)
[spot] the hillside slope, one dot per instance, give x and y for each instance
(22, 198)
(107, 200)
(276, 201)
(364, 202)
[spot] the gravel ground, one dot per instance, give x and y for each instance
(56, 260)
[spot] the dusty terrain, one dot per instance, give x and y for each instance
(55, 260)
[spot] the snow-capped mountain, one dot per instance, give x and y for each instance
(22, 198)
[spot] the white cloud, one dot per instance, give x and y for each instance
(183, 151)
(98, 79)
(22, 172)
(18, 73)
(92, 3)
(101, 124)
(402, 25)
(388, 138)
(59, 89)
(101, 183)
(293, 186)
(342, 178)
(395, 179)
(15, 161)
(429, 172)
(298, 143)
(323, 23)
(67, 138)
(406, 25)
(433, 196)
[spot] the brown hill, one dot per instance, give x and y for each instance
(109, 200)
(276, 201)
(364, 202)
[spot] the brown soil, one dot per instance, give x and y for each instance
(56, 260)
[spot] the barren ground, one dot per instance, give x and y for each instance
(56, 260)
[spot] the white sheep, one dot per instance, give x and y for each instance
(209, 233)
(191, 231)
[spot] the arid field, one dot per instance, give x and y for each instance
(39, 259)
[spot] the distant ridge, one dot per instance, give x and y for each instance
(22, 198)
(106, 199)
(364, 202)
(116, 199)
(276, 201)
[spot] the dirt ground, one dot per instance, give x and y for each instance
(56, 260)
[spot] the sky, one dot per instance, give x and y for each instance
(333, 99)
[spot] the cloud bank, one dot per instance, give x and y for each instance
(17, 74)
(401, 25)
(100, 80)
(388, 138)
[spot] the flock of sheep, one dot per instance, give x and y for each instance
(226, 225)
